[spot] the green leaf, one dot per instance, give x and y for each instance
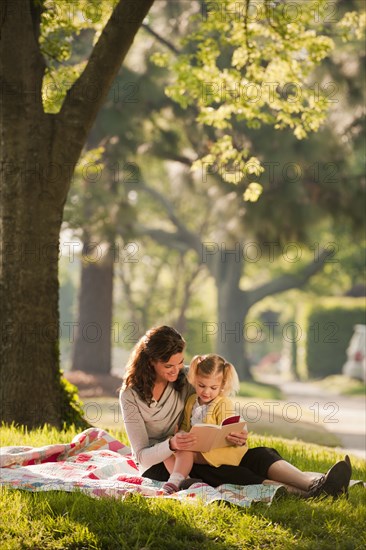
(253, 192)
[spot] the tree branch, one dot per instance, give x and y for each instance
(165, 238)
(162, 40)
(88, 93)
(180, 321)
(288, 281)
(183, 234)
(168, 155)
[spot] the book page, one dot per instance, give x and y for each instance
(211, 436)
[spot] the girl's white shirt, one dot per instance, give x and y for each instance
(199, 413)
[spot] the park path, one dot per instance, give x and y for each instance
(342, 415)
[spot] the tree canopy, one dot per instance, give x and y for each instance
(242, 68)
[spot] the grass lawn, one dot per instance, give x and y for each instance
(259, 390)
(343, 385)
(56, 520)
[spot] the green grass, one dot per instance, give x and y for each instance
(13, 435)
(343, 385)
(259, 390)
(309, 432)
(57, 520)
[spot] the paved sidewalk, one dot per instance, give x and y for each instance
(339, 414)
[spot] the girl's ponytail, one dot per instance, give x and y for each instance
(193, 368)
(231, 379)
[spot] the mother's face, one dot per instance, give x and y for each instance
(168, 371)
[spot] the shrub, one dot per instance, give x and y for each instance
(71, 406)
(327, 327)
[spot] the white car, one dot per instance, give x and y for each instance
(355, 367)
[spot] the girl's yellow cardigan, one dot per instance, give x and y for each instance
(219, 409)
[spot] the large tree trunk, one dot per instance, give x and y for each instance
(231, 329)
(92, 351)
(231, 311)
(30, 225)
(37, 154)
(30, 385)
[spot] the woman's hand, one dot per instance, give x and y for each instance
(182, 441)
(238, 438)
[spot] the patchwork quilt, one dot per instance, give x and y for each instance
(101, 466)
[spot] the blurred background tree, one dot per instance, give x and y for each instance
(304, 206)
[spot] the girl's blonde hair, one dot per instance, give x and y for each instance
(212, 365)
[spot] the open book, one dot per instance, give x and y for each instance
(213, 436)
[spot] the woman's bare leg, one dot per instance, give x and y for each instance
(289, 475)
(289, 488)
(334, 483)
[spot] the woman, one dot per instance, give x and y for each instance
(152, 398)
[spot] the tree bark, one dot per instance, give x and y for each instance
(92, 349)
(38, 154)
(30, 226)
(230, 341)
(227, 269)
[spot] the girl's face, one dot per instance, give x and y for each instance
(208, 387)
(167, 371)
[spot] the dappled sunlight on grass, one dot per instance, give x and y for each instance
(55, 520)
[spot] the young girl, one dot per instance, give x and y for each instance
(213, 379)
(153, 395)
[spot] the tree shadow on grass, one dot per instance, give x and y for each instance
(321, 522)
(135, 523)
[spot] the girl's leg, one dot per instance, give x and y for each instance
(183, 462)
(169, 463)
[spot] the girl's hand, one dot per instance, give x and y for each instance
(238, 438)
(182, 441)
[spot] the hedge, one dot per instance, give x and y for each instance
(327, 327)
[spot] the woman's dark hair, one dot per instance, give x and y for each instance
(158, 344)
